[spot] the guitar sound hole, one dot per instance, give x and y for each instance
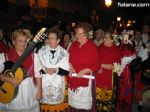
(3, 90)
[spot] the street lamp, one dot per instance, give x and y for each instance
(118, 19)
(118, 24)
(108, 3)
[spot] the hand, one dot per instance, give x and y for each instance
(71, 69)
(38, 95)
(100, 71)
(81, 73)
(14, 81)
(70, 74)
(50, 71)
(84, 71)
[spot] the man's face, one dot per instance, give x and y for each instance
(145, 29)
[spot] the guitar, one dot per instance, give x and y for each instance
(7, 91)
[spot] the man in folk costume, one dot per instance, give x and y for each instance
(55, 64)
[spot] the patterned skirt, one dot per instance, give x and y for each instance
(62, 107)
(106, 99)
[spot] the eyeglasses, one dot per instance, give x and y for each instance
(78, 35)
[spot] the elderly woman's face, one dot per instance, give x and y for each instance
(80, 35)
(99, 35)
(66, 37)
(107, 39)
(20, 43)
(52, 40)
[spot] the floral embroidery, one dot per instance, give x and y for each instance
(53, 94)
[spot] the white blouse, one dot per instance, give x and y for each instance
(53, 86)
(25, 101)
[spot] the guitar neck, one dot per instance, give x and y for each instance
(23, 56)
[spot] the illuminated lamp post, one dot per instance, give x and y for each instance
(108, 3)
(118, 22)
(118, 19)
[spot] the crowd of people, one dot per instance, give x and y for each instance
(106, 70)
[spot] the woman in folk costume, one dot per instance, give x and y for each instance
(29, 93)
(125, 79)
(83, 61)
(55, 64)
(109, 54)
(65, 40)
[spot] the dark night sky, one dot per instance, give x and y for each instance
(134, 13)
(107, 15)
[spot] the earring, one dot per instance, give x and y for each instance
(58, 41)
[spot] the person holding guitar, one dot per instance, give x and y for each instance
(29, 88)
